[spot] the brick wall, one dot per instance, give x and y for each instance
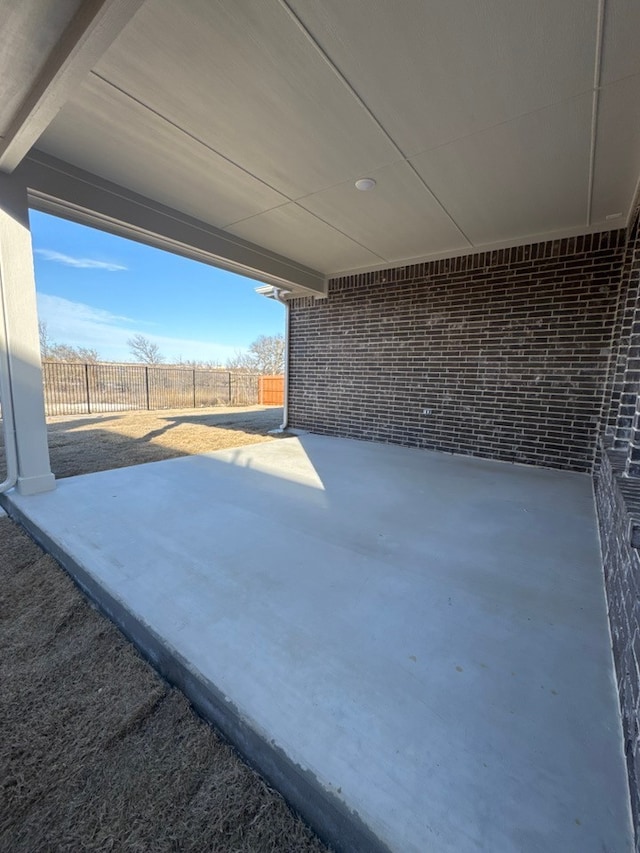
(618, 504)
(624, 374)
(617, 489)
(509, 350)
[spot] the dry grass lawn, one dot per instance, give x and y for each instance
(83, 444)
(97, 753)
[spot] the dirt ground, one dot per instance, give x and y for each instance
(97, 753)
(82, 444)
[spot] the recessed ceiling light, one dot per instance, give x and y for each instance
(365, 184)
(614, 216)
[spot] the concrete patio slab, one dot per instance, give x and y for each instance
(413, 646)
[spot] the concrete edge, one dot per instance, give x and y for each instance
(343, 830)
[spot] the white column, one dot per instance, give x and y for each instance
(17, 288)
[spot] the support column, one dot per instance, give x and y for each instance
(17, 289)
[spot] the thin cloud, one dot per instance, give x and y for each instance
(69, 316)
(79, 263)
(79, 324)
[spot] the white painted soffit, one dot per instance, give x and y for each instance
(49, 47)
(486, 123)
(63, 190)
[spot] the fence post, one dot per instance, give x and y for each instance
(229, 387)
(86, 384)
(194, 387)
(146, 385)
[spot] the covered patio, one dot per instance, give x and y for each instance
(413, 647)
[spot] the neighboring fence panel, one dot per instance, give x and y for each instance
(73, 389)
(116, 387)
(170, 388)
(271, 390)
(244, 389)
(66, 388)
(213, 388)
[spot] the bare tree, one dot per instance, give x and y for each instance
(265, 355)
(194, 364)
(66, 352)
(241, 362)
(45, 340)
(145, 351)
(52, 351)
(268, 353)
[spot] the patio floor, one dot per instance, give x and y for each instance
(413, 646)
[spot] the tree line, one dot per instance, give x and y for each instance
(265, 355)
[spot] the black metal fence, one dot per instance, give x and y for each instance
(71, 388)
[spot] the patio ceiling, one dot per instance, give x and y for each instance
(483, 122)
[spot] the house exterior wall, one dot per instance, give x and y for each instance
(624, 372)
(509, 351)
(617, 491)
(617, 503)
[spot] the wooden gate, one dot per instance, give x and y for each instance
(271, 390)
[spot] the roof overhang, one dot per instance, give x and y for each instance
(63, 190)
(80, 44)
(483, 125)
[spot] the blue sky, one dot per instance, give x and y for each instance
(97, 290)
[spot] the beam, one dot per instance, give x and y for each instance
(89, 33)
(58, 188)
